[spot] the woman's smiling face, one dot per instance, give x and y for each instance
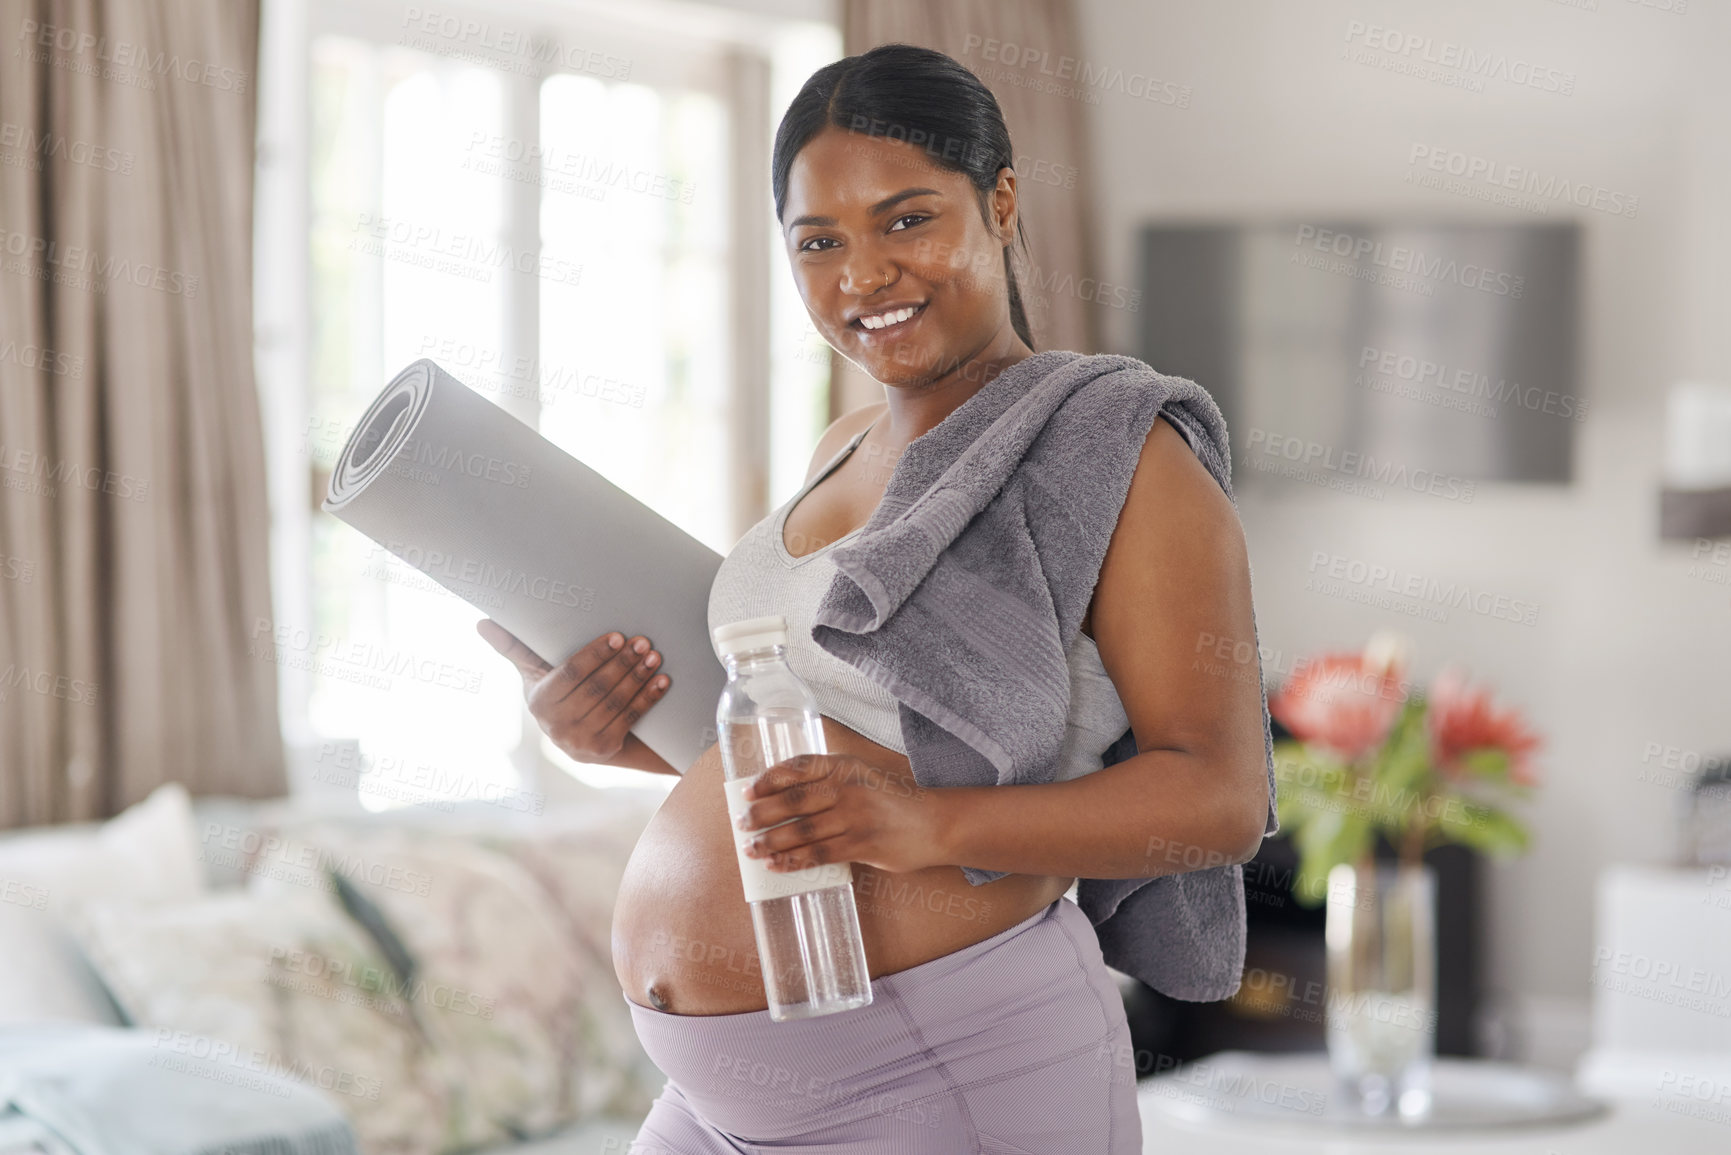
(875, 229)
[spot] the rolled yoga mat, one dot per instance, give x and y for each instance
(551, 550)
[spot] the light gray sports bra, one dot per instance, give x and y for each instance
(759, 576)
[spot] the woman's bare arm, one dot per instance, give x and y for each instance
(1175, 580)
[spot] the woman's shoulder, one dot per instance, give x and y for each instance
(1129, 427)
(841, 431)
(1114, 409)
(1118, 376)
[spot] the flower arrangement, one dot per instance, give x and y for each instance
(1372, 756)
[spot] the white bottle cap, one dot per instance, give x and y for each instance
(750, 634)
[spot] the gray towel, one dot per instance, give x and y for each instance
(963, 591)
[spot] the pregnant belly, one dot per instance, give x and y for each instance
(682, 934)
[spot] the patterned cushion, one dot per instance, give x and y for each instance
(232, 976)
(511, 1022)
(579, 865)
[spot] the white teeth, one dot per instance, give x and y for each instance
(885, 320)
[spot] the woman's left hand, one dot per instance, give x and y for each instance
(848, 811)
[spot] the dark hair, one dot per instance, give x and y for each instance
(918, 95)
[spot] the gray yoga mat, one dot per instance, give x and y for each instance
(551, 550)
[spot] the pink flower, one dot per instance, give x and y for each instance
(1461, 719)
(1344, 703)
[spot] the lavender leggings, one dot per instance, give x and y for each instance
(1011, 1046)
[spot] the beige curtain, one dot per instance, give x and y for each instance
(1048, 130)
(133, 516)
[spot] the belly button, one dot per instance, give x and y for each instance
(656, 998)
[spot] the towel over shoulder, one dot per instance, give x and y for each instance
(963, 591)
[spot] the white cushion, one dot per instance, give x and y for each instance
(146, 855)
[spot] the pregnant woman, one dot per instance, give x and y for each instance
(995, 1025)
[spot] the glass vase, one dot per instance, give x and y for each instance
(1381, 1010)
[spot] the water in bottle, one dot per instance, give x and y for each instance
(808, 937)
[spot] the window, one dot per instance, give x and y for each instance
(552, 214)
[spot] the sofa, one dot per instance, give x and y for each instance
(439, 976)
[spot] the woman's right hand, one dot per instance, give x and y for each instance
(588, 705)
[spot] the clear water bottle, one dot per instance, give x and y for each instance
(808, 937)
